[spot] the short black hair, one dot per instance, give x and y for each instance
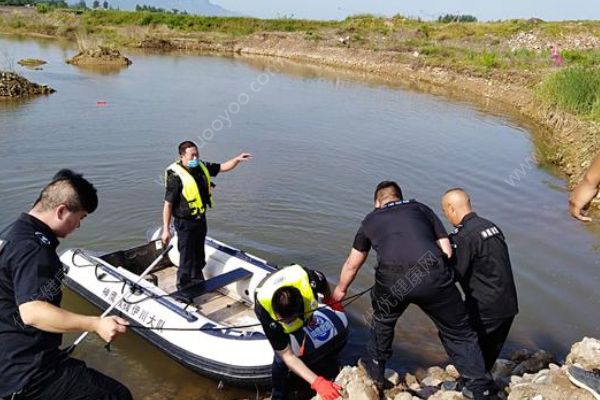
(390, 187)
(70, 189)
(183, 146)
(287, 302)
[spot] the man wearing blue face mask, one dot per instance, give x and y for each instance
(188, 194)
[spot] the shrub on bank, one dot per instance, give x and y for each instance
(575, 89)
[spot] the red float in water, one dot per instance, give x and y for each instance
(101, 103)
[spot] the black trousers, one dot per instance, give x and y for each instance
(73, 380)
(191, 235)
(492, 334)
(430, 286)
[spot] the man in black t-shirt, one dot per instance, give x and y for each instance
(484, 271)
(188, 195)
(412, 248)
(32, 366)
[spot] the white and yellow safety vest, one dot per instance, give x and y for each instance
(190, 191)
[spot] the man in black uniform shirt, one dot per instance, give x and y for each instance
(412, 246)
(31, 321)
(284, 304)
(188, 194)
(484, 271)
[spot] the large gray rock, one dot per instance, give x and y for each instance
(547, 385)
(585, 353)
(357, 385)
(449, 395)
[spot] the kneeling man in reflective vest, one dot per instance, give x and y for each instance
(286, 304)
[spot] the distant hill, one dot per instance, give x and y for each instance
(201, 7)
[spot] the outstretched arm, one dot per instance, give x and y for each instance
(234, 162)
(351, 267)
(585, 191)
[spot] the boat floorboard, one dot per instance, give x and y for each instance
(214, 305)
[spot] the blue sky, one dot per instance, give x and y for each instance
(482, 9)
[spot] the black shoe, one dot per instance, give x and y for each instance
(181, 295)
(375, 370)
(587, 380)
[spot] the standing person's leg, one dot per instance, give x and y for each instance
(199, 258)
(387, 308)
(279, 376)
(185, 246)
(73, 380)
(444, 305)
(492, 335)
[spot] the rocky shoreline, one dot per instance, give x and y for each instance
(13, 86)
(524, 375)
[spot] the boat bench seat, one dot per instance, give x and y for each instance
(212, 284)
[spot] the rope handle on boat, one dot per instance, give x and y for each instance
(345, 302)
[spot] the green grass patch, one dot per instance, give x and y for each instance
(486, 60)
(236, 26)
(574, 89)
(585, 58)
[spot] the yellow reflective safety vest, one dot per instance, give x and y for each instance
(294, 276)
(190, 191)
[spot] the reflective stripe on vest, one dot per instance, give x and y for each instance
(294, 276)
(190, 191)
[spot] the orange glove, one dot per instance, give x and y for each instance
(336, 305)
(326, 389)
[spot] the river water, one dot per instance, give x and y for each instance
(321, 141)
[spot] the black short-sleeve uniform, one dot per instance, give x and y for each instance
(401, 233)
(29, 270)
(31, 362)
(273, 330)
(412, 269)
(483, 268)
(191, 230)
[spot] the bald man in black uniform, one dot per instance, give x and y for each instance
(484, 271)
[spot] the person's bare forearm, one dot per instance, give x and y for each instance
(167, 214)
(446, 247)
(49, 318)
(592, 175)
(347, 275)
(350, 268)
(296, 365)
(229, 165)
(234, 162)
(585, 191)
